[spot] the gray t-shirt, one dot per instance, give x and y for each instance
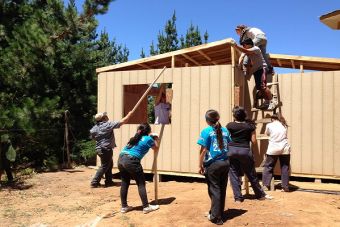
(256, 59)
(102, 132)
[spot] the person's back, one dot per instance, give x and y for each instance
(240, 133)
(277, 137)
(141, 148)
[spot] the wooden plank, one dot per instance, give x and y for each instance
(144, 66)
(110, 94)
(204, 96)
(225, 94)
(279, 62)
(336, 127)
(214, 88)
(185, 119)
(166, 149)
(306, 124)
(118, 104)
(142, 76)
(316, 124)
(194, 117)
(101, 92)
(166, 55)
(293, 63)
(176, 120)
(328, 123)
(296, 129)
(173, 61)
(207, 57)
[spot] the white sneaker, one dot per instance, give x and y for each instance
(126, 209)
(272, 105)
(269, 197)
(150, 208)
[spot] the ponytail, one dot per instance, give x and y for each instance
(219, 136)
(212, 117)
(142, 130)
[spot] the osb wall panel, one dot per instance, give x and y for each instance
(195, 90)
(310, 102)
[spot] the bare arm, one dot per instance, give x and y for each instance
(203, 151)
(253, 139)
(244, 50)
(126, 118)
(155, 147)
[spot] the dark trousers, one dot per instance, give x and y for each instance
(269, 166)
(5, 165)
(105, 167)
(242, 159)
(216, 175)
(130, 168)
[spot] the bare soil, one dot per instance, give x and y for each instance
(64, 198)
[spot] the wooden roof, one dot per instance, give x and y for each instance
(331, 19)
(219, 53)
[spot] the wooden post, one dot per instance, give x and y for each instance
(154, 165)
(68, 165)
(301, 68)
(147, 91)
(232, 49)
(173, 63)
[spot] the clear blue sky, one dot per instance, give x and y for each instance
(292, 26)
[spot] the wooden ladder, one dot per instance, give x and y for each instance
(274, 87)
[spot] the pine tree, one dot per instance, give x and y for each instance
(48, 56)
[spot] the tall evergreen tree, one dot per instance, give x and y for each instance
(48, 56)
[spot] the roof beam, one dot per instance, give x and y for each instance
(190, 59)
(293, 64)
(144, 66)
(207, 57)
(279, 62)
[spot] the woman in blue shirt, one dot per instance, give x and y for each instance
(214, 163)
(130, 167)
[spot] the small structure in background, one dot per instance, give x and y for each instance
(332, 19)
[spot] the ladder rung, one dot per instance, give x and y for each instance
(262, 137)
(255, 109)
(264, 120)
(272, 83)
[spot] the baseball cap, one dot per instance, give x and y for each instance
(99, 116)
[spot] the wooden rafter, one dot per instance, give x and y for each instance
(293, 64)
(279, 62)
(144, 66)
(207, 57)
(190, 59)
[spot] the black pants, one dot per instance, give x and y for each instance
(269, 166)
(216, 175)
(105, 167)
(6, 165)
(130, 168)
(242, 159)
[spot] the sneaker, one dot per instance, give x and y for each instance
(109, 184)
(265, 188)
(285, 190)
(150, 208)
(216, 221)
(126, 209)
(95, 185)
(266, 197)
(272, 105)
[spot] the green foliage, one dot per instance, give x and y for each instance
(87, 151)
(168, 39)
(48, 56)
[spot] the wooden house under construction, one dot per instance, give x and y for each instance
(207, 77)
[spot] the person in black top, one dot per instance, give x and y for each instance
(240, 155)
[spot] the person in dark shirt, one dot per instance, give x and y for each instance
(4, 162)
(240, 155)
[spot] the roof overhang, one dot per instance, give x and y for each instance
(219, 53)
(332, 19)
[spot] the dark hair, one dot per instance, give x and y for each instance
(212, 117)
(239, 113)
(280, 118)
(241, 27)
(247, 41)
(142, 130)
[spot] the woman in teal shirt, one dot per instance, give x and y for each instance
(214, 163)
(130, 167)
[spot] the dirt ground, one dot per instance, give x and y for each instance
(65, 199)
